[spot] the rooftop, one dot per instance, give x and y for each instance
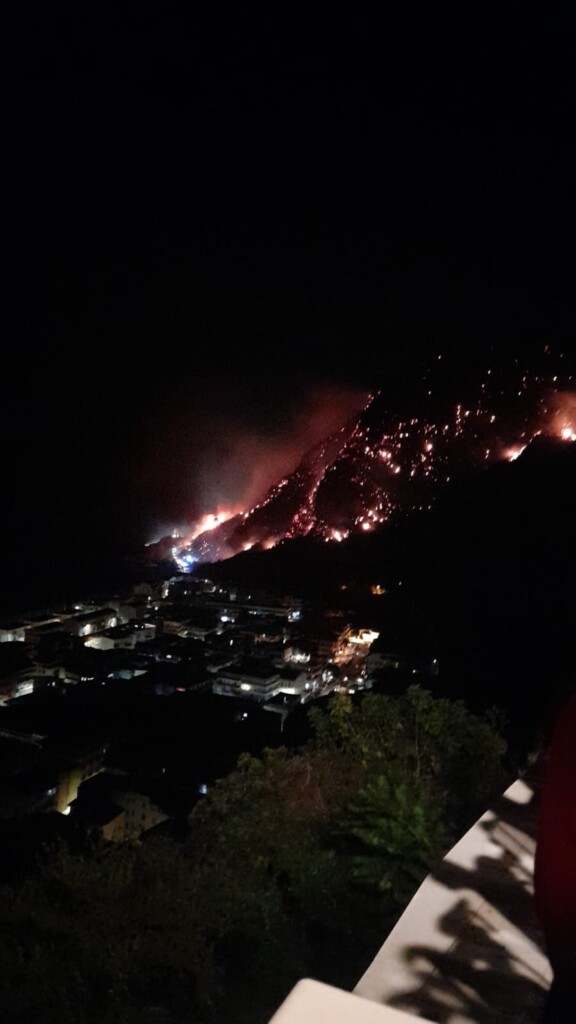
(249, 666)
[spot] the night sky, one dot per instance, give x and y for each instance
(220, 227)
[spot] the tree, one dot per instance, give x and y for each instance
(391, 835)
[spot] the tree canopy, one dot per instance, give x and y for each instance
(296, 863)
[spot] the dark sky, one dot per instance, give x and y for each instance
(208, 215)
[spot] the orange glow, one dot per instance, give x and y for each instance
(210, 521)
(513, 453)
(339, 535)
(562, 422)
(418, 449)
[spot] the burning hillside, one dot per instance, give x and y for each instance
(379, 466)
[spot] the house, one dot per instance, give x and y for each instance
(118, 806)
(86, 623)
(253, 678)
(12, 631)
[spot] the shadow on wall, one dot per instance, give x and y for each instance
(480, 958)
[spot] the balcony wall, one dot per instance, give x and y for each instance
(468, 948)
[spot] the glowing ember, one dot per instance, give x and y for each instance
(511, 454)
(338, 535)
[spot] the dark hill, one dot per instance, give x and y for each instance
(487, 577)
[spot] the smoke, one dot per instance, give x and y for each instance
(249, 461)
(220, 443)
(561, 418)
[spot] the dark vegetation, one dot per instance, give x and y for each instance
(297, 863)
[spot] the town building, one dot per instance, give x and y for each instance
(252, 678)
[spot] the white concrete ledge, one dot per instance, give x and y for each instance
(312, 1002)
(468, 948)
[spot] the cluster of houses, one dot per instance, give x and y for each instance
(233, 647)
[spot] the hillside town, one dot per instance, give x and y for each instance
(119, 715)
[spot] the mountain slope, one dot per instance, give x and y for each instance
(381, 465)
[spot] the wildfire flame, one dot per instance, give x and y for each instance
(513, 453)
(422, 451)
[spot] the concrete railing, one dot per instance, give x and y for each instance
(468, 948)
(312, 1002)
